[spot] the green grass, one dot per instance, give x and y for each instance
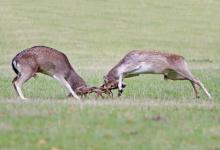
(95, 35)
(68, 125)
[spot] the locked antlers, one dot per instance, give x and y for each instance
(105, 88)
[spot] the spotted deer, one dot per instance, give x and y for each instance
(172, 66)
(51, 62)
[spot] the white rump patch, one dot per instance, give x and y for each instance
(16, 65)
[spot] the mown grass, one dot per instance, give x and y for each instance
(95, 35)
(37, 125)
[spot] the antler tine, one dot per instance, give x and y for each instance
(100, 90)
(83, 91)
(107, 89)
(103, 89)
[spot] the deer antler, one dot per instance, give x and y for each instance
(84, 91)
(100, 91)
(106, 88)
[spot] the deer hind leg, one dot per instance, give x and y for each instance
(173, 75)
(19, 81)
(66, 84)
(189, 76)
(13, 83)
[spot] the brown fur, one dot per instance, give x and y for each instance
(172, 66)
(46, 60)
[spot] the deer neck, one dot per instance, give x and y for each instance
(113, 74)
(75, 80)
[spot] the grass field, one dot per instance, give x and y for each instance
(152, 114)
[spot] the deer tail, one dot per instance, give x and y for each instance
(14, 66)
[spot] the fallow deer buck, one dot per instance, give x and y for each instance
(173, 67)
(46, 60)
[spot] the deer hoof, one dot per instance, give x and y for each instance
(120, 92)
(24, 99)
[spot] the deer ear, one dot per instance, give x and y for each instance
(105, 79)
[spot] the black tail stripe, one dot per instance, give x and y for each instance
(14, 68)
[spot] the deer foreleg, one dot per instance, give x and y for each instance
(120, 88)
(65, 83)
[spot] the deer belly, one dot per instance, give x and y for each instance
(143, 69)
